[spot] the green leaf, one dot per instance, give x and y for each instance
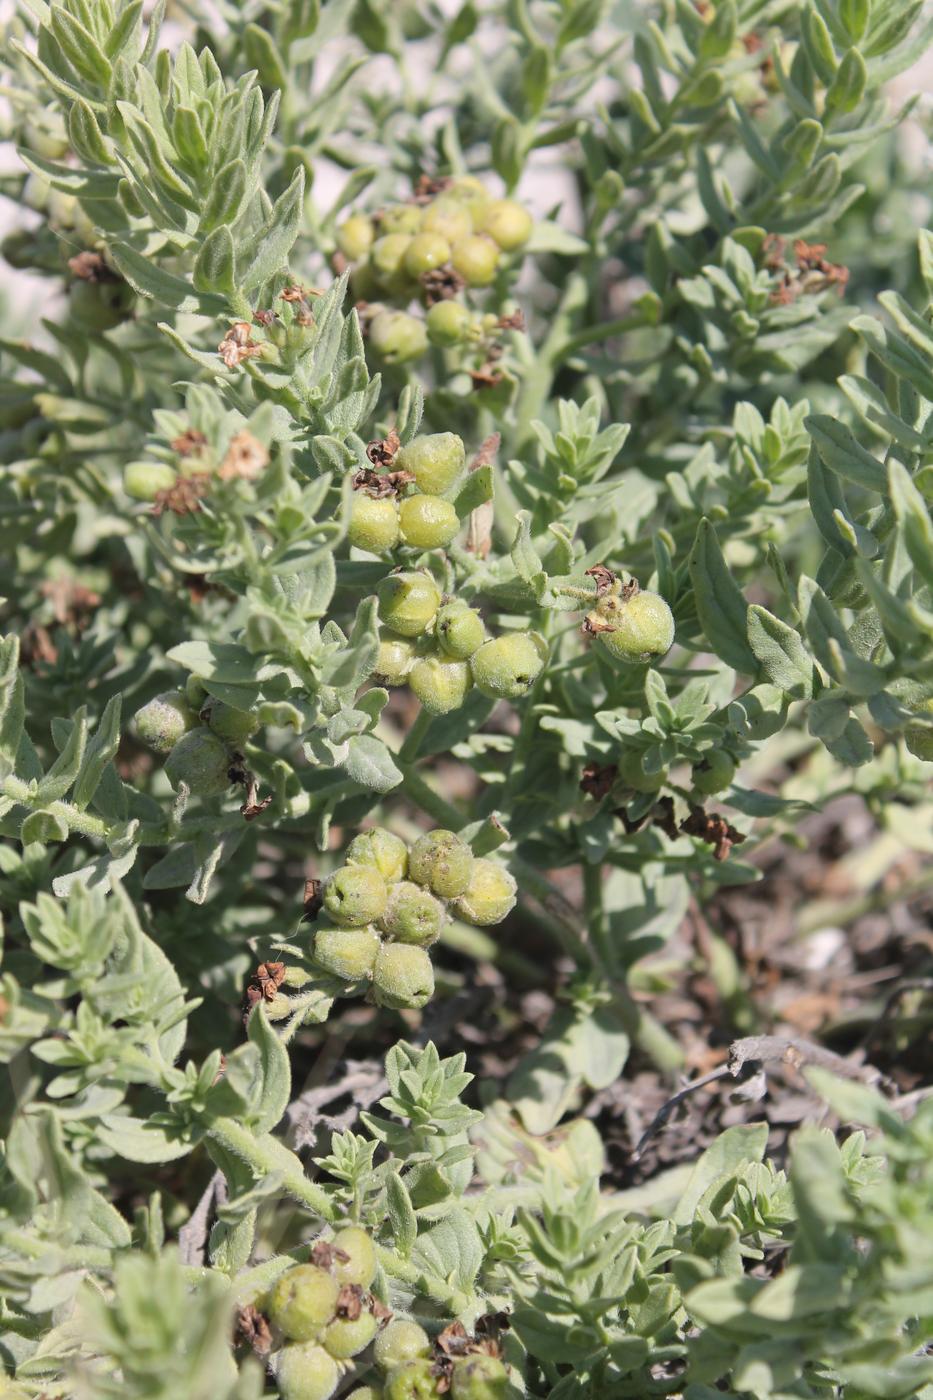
(228, 191)
(475, 491)
(913, 519)
(370, 763)
(733, 1148)
(141, 1140)
(842, 454)
(720, 606)
(275, 1075)
(150, 280)
(847, 88)
(266, 253)
(215, 265)
(783, 656)
(400, 1211)
(99, 752)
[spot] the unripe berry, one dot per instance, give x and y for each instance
(412, 915)
(355, 237)
(402, 1340)
(435, 460)
(380, 850)
(507, 667)
(508, 223)
(346, 1337)
(303, 1301)
(476, 259)
(478, 1377)
(400, 218)
(469, 191)
(449, 218)
(396, 337)
(714, 773)
(144, 480)
(360, 1265)
(413, 1380)
(99, 306)
(202, 761)
(347, 953)
(355, 895)
(396, 657)
(388, 255)
(441, 683)
(367, 1392)
(373, 523)
(305, 1371)
(488, 897)
(427, 522)
(443, 862)
(448, 323)
(408, 602)
(403, 976)
(459, 630)
(424, 252)
(918, 737)
(232, 725)
(642, 626)
(164, 720)
(634, 776)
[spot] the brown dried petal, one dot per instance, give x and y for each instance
(598, 779)
(183, 497)
(350, 1301)
(245, 458)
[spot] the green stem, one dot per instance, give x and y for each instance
(424, 796)
(74, 818)
(266, 1155)
(409, 750)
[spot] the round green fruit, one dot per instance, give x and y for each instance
(202, 761)
(403, 976)
(396, 657)
(441, 683)
(640, 628)
(424, 252)
(164, 720)
(366, 1392)
(396, 337)
(459, 630)
(488, 897)
(634, 776)
(355, 237)
(478, 1377)
(347, 953)
(359, 1267)
(346, 1337)
(448, 323)
(355, 895)
(427, 522)
(413, 915)
(388, 256)
(442, 862)
(476, 259)
(380, 850)
(400, 218)
(408, 602)
(919, 737)
(303, 1301)
(507, 667)
(144, 480)
(230, 724)
(99, 306)
(306, 1372)
(715, 772)
(402, 1340)
(373, 523)
(508, 223)
(449, 218)
(413, 1380)
(435, 460)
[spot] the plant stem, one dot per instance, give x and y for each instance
(430, 801)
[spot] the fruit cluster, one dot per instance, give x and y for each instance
(435, 247)
(382, 910)
(410, 505)
(414, 1370)
(201, 736)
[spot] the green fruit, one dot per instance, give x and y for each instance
(346, 1337)
(164, 720)
(459, 630)
(306, 1372)
(478, 1377)
(232, 725)
(388, 256)
(413, 1380)
(470, 192)
(488, 897)
(426, 251)
(347, 953)
(144, 480)
(507, 667)
(642, 627)
(413, 915)
(449, 218)
(401, 218)
(48, 141)
(195, 693)
(202, 761)
(396, 657)
(435, 460)
(507, 222)
(396, 337)
(443, 862)
(634, 776)
(360, 1265)
(918, 737)
(35, 193)
(408, 602)
(441, 683)
(427, 522)
(303, 1301)
(355, 895)
(448, 323)
(63, 209)
(403, 976)
(99, 306)
(366, 1392)
(373, 523)
(380, 850)
(714, 773)
(476, 259)
(355, 237)
(402, 1340)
